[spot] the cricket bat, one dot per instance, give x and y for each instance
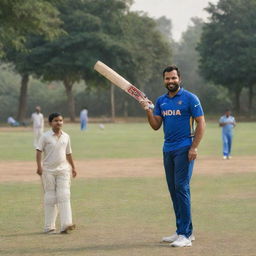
(119, 81)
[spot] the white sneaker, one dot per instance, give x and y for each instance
(192, 238)
(50, 231)
(229, 157)
(182, 241)
(224, 157)
(174, 237)
(170, 239)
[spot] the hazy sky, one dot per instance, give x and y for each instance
(178, 11)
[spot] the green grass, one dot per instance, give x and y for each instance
(129, 216)
(123, 140)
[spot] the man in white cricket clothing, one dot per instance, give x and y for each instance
(38, 124)
(55, 170)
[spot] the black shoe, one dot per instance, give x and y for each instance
(68, 229)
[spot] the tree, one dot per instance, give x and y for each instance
(228, 45)
(103, 30)
(92, 33)
(186, 57)
(164, 26)
(18, 22)
(21, 18)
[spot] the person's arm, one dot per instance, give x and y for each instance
(39, 162)
(71, 162)
(221, 123)
(234, 122)
(154, 121)
(199, 132)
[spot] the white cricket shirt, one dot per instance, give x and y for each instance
(38, 120)
(54, 150)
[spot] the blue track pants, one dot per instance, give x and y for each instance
(227, 143)
(83, 124)
(178, 170)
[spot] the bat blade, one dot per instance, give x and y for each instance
(119, 81)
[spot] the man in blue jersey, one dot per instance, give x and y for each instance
(177, 110)
(227, 122)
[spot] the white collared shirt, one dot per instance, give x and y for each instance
(55, 150)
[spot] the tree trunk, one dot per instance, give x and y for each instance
(250, 96)
(125, 109)
(237, 101)
(23, 98)
(112, 97)
(71, 102)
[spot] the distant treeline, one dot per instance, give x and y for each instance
(51, 63)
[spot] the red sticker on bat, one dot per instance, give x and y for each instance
(136, 93)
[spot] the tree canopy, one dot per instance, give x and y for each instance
(228, 45)
(21, 18)
(95, 30)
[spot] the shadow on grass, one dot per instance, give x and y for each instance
(89, 248)
(22, 234)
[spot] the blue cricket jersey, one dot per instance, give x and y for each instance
(228, 128)
(178, 115)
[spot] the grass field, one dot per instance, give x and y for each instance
(123, 140)
(128, 216)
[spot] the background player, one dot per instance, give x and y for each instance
(227, 122)
(83, 118)
(38, 124)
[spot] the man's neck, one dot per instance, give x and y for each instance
(57, 131)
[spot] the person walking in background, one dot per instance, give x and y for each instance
(227, 122)
(55, 172)
(83, 118)
(176, 110)
(38, 124)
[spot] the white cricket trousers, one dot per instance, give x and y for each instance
(57, 197)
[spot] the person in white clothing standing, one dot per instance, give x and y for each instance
(55, 170)
(38, 124)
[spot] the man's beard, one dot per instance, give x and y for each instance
(174, 87)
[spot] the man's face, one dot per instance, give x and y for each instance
(172, 81)
(228, 113)
(57, 123)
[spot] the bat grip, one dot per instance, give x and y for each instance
(151, 106)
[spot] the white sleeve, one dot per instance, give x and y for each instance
(68, 148)
(41, 143)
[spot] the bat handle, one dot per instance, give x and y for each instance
(151, 106)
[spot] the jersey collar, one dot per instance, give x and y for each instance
(53, 133)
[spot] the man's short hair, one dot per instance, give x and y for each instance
(171, 68)
(53, 115)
